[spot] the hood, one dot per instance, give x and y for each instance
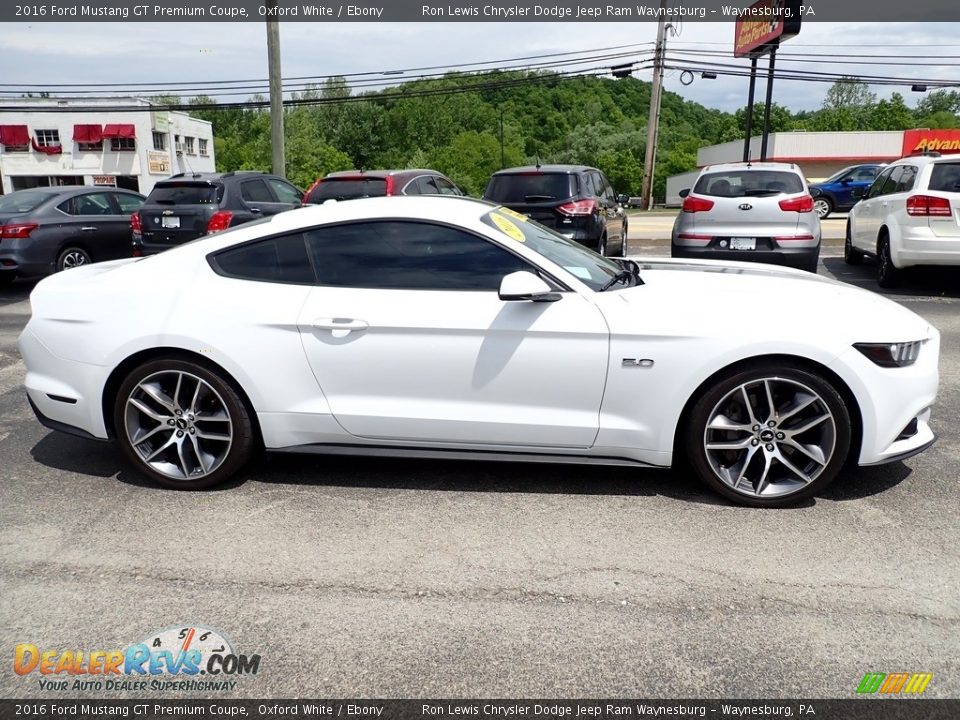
(779, 302)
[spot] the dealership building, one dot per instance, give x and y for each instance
(820, 154)
(57, 141)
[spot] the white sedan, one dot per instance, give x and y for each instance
(446, 327)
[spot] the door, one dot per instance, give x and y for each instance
(286, 194)
(872, 209)
(93, 222)
(259, 200)
(126, 204)
(409, 341)
(858, 178)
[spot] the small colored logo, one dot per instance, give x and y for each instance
(180, 653)
(894, 683)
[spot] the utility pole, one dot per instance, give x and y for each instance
(653, 122)
(276, 93)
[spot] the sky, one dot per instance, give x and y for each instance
(65, 53)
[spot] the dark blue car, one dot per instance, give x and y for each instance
(834, 193)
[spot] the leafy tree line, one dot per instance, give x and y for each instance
(541, 117)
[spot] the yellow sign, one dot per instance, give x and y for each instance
(513, 213)
(158, 162)
(507, 226)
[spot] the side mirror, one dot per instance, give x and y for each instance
(846, 181)
(683, 193)
(623, 198)
(523, 285)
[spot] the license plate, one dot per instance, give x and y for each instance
(743, 243)
(170, 222)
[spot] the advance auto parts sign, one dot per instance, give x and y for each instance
(941, 141)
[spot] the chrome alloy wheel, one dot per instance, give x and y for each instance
(770, 437)
(74, 258)
(822, 207)
(178, 424)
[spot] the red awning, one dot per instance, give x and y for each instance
(46, 149)
(87, 133)
(14, 135)
(119, 131)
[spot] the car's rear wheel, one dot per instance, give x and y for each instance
(769, 435)
(72, 257)
(182, 424)
(888, 276)
(623, 242)
(602, 247)
(851, 256)
(822, 207)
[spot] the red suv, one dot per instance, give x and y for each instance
(350, 184)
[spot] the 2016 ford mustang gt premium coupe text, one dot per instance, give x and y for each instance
(447, 327)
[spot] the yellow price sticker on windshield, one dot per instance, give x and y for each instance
(507, 226)
(513, 213)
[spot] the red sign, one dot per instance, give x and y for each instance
(105, 180)
(763, 25)
(941, 141)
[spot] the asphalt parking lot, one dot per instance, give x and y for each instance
(386, 578)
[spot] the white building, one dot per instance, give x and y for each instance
(821, 154)
(56, 141)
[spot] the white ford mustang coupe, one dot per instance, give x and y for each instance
(446, 327)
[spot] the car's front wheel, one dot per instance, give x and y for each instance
(822, 207)
(768, 435)
(182, 423)
(888, 275)
(851, 256)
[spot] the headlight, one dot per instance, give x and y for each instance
(892, 354)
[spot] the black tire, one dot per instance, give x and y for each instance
(72, 256)
(694, 433)
(7, 278)
(888, 276)
(243, 442)
(624, 242)
(812, 264)
(602, 247)
(826, 204)
(851, 256)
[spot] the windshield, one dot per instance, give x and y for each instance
(531, 187)
(591, 269)
(186, 194)
(747, 183)
(347, 189)
(23, 201)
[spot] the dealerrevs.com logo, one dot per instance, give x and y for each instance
(190, 657)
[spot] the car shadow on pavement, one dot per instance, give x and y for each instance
(104, 460)
(916, 281)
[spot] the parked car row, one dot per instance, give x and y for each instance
(51, 229)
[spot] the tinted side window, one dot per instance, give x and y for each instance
(128, 203)
(907, 179)
(92, 204)
(890, 184)
(426, 185)
(285, 192)
(447, 187)
(945, 176)
(278, 259)
(255, 191)
(879, 182)
(408, 255)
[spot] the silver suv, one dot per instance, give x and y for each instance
(760, 212)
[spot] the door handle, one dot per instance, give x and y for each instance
(341, 327)
(88, 228)
(256, 211)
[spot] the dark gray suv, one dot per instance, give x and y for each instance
(48, 229)
(188, 205)
(573, 200)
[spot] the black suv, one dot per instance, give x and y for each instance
(188, 205)
(350, 184)
(574, 200)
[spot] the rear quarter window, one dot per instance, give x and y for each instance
(747, 183)
(278, 259)
(945, 177)
(335, 189)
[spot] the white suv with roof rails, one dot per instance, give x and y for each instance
(909, 216)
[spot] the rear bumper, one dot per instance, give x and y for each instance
(800, 257)
(919, 246)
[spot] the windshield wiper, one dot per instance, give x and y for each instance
(630, 271)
